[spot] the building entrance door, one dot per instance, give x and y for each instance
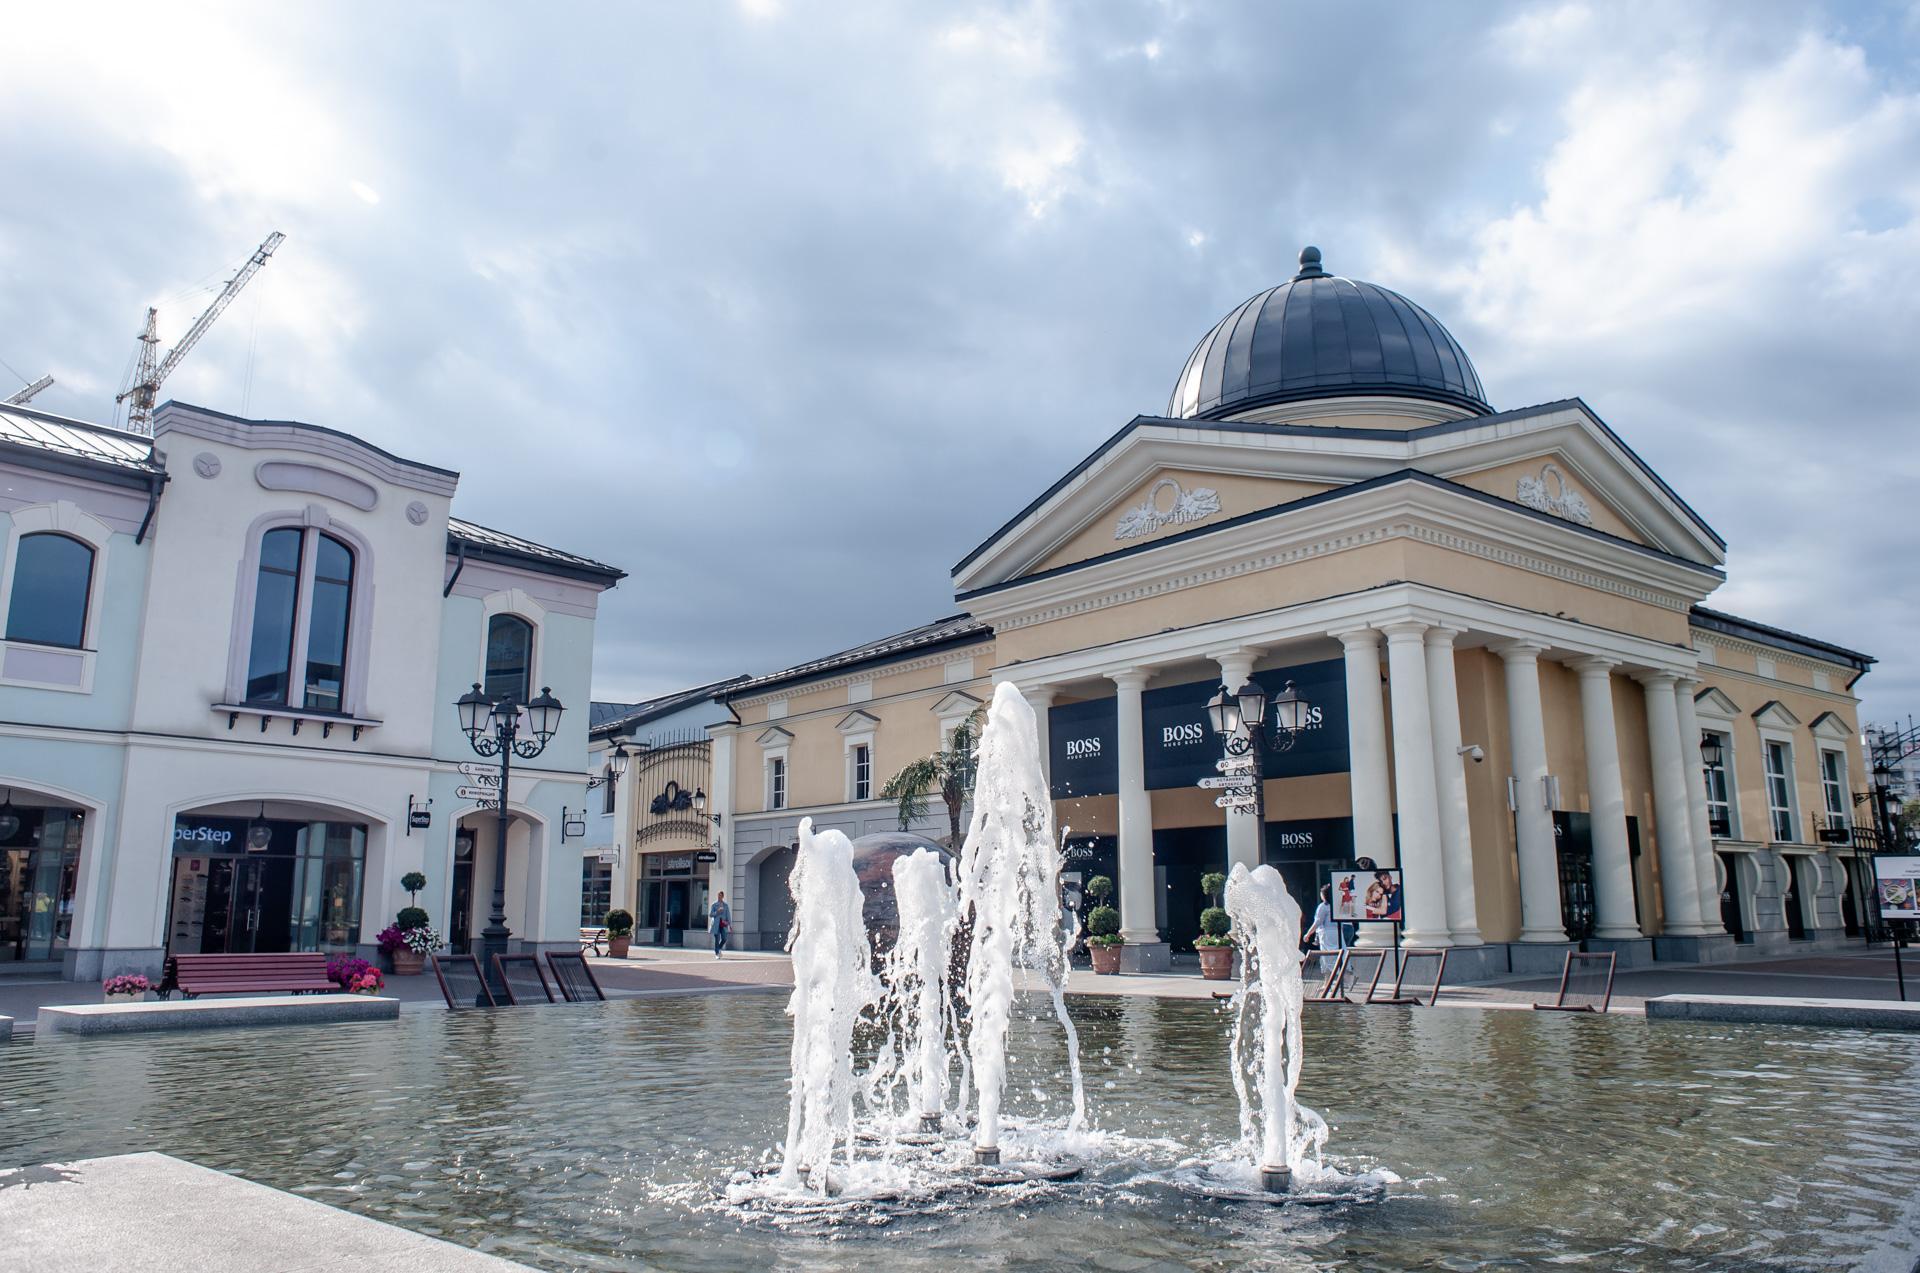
(232, 905)
(1796, 916)
(460, 912)
(1573, 839)
(668, 911)
(1730, 899)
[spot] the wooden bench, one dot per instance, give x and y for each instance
(245, 974)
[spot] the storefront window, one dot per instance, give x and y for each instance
(39, 862)
(596, 891)
(301, 892)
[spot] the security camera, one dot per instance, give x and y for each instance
(1474, 750)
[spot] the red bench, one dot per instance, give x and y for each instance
(245, 974)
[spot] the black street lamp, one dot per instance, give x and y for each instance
(616, 767)
(1710, 752)
(494, 727)
(1238, 717)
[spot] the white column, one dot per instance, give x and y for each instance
(1710, 921)
(1612, 859)
(1673, 816)
(1540, 918)
(1367, 747)
(1244, 833)
(1136, 815)
(1040, 699)
(1450, 787)
(1422, 869)
(720, 803)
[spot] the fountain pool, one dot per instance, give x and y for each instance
(590, 1137)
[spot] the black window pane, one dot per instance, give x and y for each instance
(509, 656)
(334, 561)
(276, 593)
(51, 576)
(280, 550)
(272, 638)
(327, 645)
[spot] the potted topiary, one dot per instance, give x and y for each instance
(408, 960)
(1103, 923)
(619, 932)
(1215, 944)
(413, 882)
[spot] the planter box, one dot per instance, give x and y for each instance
(408, 964)
(1216, 962)
(201, 1014)
(1106, 959)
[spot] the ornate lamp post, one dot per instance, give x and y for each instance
(494, 728)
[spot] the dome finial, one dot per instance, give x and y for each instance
(1309, 264)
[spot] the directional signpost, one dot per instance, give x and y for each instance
(487, 774)
(477, 793)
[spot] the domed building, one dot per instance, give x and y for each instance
(1488, 629)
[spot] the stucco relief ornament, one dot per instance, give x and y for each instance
(207, 464)
(1563, 502)
(1154, 512)
(417, 513)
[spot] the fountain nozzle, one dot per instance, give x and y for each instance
(984, 1157)
(1276, 1179)
(930, 1122)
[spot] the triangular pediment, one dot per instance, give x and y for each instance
(1158, 480)
(775, 737)
(955, 703)
(1712, 702)
(1829, 725)
(1774, 713)
(857, 723)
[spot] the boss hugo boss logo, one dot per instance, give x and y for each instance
(1183, 735)
(1081, 748)
(1296, 839)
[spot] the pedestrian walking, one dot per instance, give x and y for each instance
(719, 920)
(1330, 935)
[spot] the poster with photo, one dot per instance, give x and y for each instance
(1367, 897)
(1897, 884)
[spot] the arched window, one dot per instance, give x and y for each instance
(52, 576)
(509, 657)
(303, 574)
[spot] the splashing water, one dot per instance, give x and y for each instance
(1279, 1132)
(1009, 889)
(832, 986)
(916, 979)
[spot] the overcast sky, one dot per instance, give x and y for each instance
(783, 307)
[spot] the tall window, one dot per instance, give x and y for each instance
(1833, 788)
(1719, 791)
(607, 786)
(301, 572)
(52, 574)
(596, 892)
(1780, 791)
(777, 782)
(510, 657)
(863, 772)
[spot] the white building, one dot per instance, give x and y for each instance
(227, 686)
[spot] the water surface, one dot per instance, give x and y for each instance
(588, 1137)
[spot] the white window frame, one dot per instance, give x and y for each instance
(516, 602)
(775, 743)
(1789, 810)
(857, 730)
(1833, 789)
(1728, 805)
(61, 517)
(1717, 713)
(313, 520)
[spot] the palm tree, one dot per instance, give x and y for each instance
(948, 771)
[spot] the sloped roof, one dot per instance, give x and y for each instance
(632, 715)
(484, 541)
(958, 629)
(24, 429)
(1779, 638)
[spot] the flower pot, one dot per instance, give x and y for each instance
(1216, 962)
(131, 996)
(617, 946)
(407, 963)
(1106, 959)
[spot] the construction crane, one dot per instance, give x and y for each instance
(153, 369)
(24, 394)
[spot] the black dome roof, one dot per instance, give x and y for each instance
(1321, 336)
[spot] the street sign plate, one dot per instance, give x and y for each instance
(489, 774)
(477, 793)
(1233, 802)
(609, 855)
(1234, 765)
(419, 819)
(1220, 782)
